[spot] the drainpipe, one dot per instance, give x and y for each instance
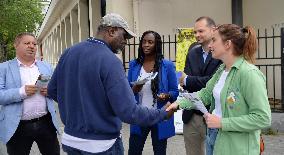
(237, 12)
(89, 22)
(282, 66)
(103, 8)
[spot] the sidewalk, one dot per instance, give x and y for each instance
(274, 145)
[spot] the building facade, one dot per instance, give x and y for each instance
(68, 22)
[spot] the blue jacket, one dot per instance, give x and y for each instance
(93, 93)
(11, 103)
(167, 84)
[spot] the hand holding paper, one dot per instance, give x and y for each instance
(137, 88)
(144, 80)
(172, 107)
(30, 89)
(42, 81)
(43, 91)
(196, 101)
(169, 110)
(213, 121)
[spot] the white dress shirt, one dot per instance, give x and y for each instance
(33, 106)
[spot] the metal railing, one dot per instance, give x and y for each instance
(269, 59)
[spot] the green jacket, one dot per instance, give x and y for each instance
(245, 108)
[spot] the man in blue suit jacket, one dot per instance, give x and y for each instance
(199, 67)
(26, 113)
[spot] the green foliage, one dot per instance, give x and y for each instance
(17, 16)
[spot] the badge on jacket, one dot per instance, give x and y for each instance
(231, 99)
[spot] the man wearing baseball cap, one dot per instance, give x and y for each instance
(94, 95)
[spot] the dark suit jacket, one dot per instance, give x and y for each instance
(198, 74)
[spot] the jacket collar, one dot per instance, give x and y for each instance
(21, 64)
(238, 62)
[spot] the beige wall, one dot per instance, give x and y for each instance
(263, 13)
(122, 7)
(165, 16)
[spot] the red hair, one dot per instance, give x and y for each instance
(243, 39)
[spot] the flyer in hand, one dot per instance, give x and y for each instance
(42, 81)
(196, 101)
(144, 80)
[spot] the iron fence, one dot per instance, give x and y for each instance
(269, 59)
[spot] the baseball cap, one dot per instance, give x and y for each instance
(115, 20)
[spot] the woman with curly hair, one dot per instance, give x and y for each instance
(154, 93)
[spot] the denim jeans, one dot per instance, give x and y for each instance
(210, 140)
(116, 149)
(136, 142)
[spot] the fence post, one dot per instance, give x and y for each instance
(123, 59)
(282, 67)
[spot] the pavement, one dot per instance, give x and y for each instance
(274, 144)
(277, 123)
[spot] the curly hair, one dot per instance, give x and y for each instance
(158, 59)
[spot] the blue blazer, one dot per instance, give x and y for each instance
(10, 100)
(167, 84)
